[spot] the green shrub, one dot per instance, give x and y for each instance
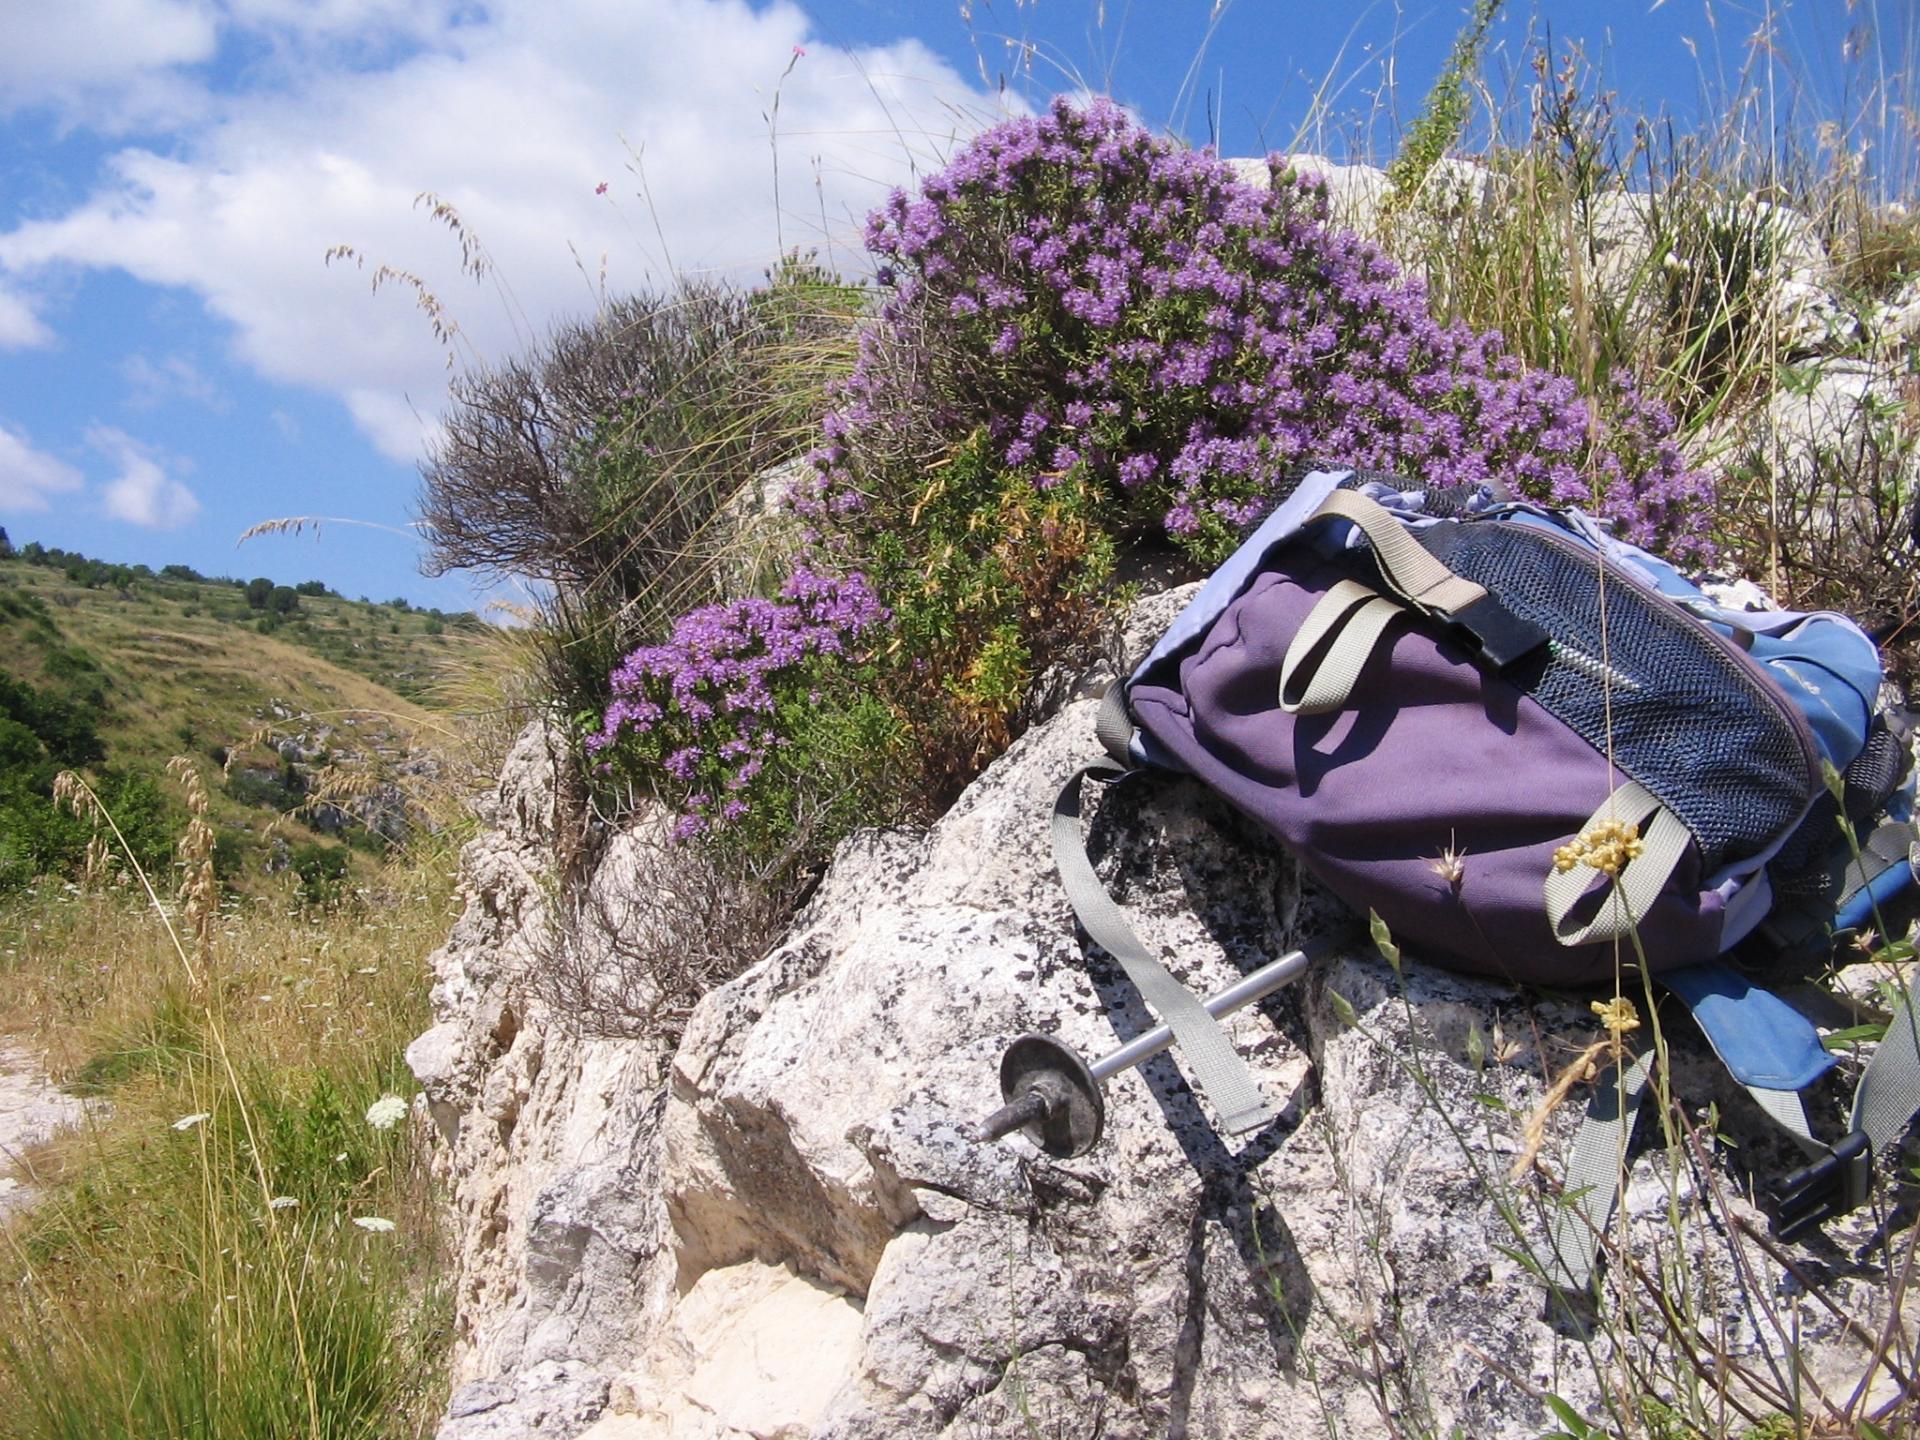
(322, 872)
(64, 724)
(149, 823)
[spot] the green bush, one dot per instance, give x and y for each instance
(322, 872)
(66, 726)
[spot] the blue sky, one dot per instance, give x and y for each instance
(179, 361)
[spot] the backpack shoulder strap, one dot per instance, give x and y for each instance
(1216, 1066)
(1889, 1093)
(1775, 1052)
(1595, 1170)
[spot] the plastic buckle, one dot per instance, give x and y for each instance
(1500, 636)
(1829, 1187)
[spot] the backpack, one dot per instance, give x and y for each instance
(1537, 753)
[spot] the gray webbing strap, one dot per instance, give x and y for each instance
(1595, 1171)
(1787, 1110)
(1404, 562)
(1331, 647)
(1215, 1065)
(1630, 897)
(1889, 1093)
(1112, 725)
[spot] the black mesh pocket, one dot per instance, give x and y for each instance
(1686, 715)
(1804, 866)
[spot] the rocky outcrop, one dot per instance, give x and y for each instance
(777, 1227)
(765, 1219)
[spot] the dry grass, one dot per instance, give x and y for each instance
(211, 1273)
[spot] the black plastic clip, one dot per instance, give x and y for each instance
(1828, 1187)
(1501, 637)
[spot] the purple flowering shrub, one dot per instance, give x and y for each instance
(1131, 317)
(1090, 337)
(747, 701)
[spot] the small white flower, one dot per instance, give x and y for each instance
(386, 1112)
(283, 1202)
(187, 1122)
(373, 1223)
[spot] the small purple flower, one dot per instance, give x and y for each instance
(714, 685)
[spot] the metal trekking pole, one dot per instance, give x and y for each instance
(1053, 1095)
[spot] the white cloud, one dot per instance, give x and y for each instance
(29, 476)
(152, 383)
(142, 493)
(20, 328)
(109, 62)
(514, 115)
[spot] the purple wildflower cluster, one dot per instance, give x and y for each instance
(1121, 311)
(705, 702)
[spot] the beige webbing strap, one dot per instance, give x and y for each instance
(1215, 1065)
(1663, 840)
(1404, 562)
(1787, 1110)
(1595, 1171)
(1331, 647)
(1889, 1093)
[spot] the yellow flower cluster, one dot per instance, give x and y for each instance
(1607, 847)
(1617, 1015)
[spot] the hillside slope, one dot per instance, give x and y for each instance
(165, 665)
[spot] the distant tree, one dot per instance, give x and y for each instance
(6, 545)
(65, 726)
(322, 873)
(180, 572)
(283, 600)
(33, 552)
(259, 592)
(311, 587)
(23, 759)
